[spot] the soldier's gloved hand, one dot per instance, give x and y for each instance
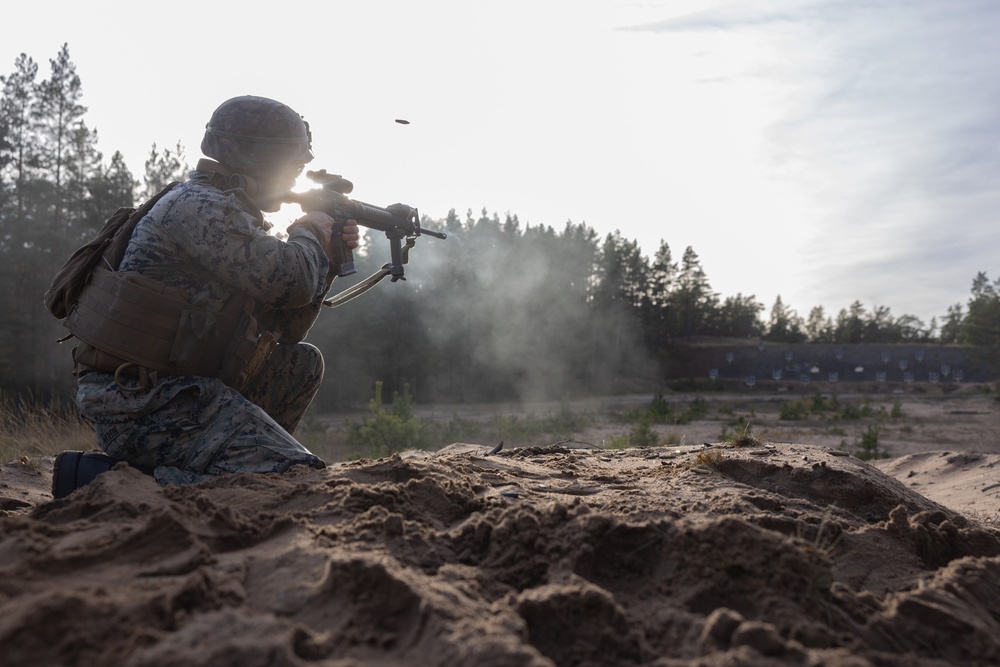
(323, 228)
(400, 210)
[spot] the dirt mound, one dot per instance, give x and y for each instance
(778, 555)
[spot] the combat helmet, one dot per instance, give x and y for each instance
(253, 135)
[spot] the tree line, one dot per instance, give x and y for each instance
(498, 311)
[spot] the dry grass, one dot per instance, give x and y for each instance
(710, 458)
(747, 438)
(28, 428)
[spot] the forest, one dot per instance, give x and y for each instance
(499, 311)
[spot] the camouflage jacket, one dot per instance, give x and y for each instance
(212, 245)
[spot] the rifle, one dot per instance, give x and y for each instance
(398, 221)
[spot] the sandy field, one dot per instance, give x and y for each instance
(787, 551)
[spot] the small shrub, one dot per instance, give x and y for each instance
(640, 435)
(661, 411)
(743, 421)
(709, 458)
(618, 442)
(867, 448)
(698, 408)
(672, 439)
(854, 411)
(643, 435)
(794, 411)
(746, 438)
(659, 408)
(385, 432)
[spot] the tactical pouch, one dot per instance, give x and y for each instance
(126, 318)
(246, 354)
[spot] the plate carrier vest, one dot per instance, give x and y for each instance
(137, 327)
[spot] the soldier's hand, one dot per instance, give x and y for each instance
(351, 234)
(318, 223)
(328, 234)
(322, 226)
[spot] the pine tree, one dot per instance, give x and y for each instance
(694, 299)
(819, 327)
(658, 315)
(110, 187)
(20, 148)
(738, 317)
(621, 274)
(981, 326)
(951, 330)
(59, 115)
(880, 326)
(83, 166)
(785, 325)
(162, 168)
(850, 324)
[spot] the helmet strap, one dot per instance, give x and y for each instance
(226, 179)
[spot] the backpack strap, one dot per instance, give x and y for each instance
(107, 247)
(116, 250)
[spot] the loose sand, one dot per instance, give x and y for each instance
(777, 554)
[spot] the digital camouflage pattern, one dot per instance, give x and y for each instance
(211, 245)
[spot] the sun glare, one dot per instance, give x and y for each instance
(282, 219)
(288, 213)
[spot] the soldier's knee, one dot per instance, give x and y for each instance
(311, 358)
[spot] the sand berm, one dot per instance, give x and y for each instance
(777, 554)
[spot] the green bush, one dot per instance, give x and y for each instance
(640, 435)
(385, 432)
(643, 435)
(867, 448)
(794, 411)
(661, 411)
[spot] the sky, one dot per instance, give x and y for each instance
(824, 151)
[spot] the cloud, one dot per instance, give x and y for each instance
(732, 16)
(886, 121)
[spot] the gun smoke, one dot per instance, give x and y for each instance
(498, 312)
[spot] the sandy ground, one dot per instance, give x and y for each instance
(779, 553)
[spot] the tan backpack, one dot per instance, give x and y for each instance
(107, 248)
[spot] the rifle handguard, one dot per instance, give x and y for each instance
(397, 221)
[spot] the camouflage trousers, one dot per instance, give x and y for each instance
(189, 428)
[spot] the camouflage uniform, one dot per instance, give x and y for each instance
(212, 245)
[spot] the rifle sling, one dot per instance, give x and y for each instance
(355, 291)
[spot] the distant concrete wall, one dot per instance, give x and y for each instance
(824, 363)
